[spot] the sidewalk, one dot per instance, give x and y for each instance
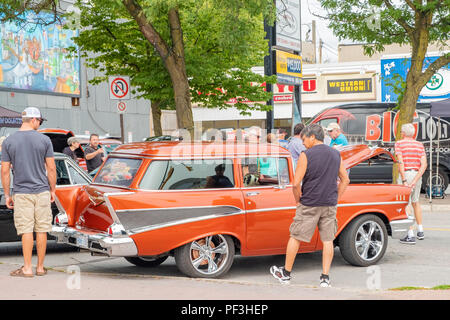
(436, 205)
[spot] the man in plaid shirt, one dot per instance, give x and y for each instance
(412, 165)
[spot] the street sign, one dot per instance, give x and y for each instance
(288, 68)
(287, 33)
(121, 107)
(119, 88)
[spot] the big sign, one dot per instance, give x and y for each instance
(383, 127)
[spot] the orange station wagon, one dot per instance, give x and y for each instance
(203, 203)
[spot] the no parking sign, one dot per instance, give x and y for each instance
(121, 107)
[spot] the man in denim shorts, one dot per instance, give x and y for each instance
(30, 156)
(318, 170)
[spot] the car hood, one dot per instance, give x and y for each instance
(355, 154)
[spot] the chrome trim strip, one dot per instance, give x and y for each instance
(270, 209)
(184, 221)
(174, 208)
(371, 203)
(400, 228)
(59, 206)
(111, 210)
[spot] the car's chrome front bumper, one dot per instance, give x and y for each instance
(400, 228)
(122, 246)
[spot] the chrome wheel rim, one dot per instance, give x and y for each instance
(209, 255)
(369, 241)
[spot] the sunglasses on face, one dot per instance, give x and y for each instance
(40, 120)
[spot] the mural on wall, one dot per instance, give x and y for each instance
(35, 58)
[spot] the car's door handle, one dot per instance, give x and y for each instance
(249, 194)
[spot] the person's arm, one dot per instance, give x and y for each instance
(51, 175)
(6, 181)
(423, 167)
(300, 171)
(90, 156)
(401, 168)
(344, 180)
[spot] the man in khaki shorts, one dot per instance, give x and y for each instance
(30, 156)
(412, 165)
(318, 170)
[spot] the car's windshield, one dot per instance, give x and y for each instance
(118, 171)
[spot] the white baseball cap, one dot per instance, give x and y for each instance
(333, 126)
(32, 112)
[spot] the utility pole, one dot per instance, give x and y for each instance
(320, 50)
(314, 40)
(268, 71)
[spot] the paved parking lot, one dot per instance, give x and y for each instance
(422, 265)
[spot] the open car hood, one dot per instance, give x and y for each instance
(355, 154)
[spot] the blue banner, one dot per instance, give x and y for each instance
(394, 71)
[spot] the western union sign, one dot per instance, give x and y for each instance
(349, 86)
(288, 68)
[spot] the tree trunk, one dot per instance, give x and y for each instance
(172, 57)
(156, 115)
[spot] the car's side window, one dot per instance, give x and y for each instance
(77, 178)
(265, 171)
(190, 174)
(62, 175)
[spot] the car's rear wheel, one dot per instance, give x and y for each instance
(364, 241)
(146, 262)
(209, 257)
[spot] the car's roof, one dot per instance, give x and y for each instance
(177, 149)
(102, 141)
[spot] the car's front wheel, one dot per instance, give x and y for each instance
(364, 241)
(209, 257)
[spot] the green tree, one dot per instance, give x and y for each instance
(177, 52)
(378, 23)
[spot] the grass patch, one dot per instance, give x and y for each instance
(441, 287)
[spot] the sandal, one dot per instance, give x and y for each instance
(42, 273)
(19, 273)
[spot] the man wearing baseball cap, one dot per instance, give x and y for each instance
(337, 137)
(30, 155)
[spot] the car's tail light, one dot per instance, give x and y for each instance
(61, 219)
(116, 229)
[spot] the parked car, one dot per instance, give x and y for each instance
(375, 124)
(203, 203)
(59, 141)
(68, 174)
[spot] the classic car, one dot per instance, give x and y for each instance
(59, 141)
(68, 174)
(203, 203)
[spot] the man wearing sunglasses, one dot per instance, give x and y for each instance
(30, 156)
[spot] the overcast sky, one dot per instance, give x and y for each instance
(330, 42)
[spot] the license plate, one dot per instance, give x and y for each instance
(82, 241)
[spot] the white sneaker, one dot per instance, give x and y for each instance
(325, 281)
(278, 273)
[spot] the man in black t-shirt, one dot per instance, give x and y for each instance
(93, 153)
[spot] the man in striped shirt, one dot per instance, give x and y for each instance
(412, 165)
